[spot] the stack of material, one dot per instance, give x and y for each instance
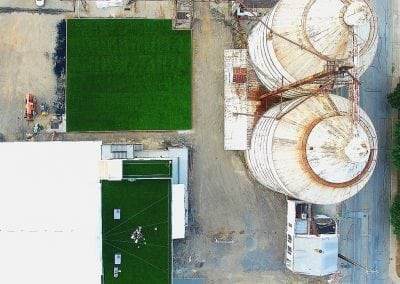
(109, 3)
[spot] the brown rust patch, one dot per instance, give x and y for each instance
(307, 168)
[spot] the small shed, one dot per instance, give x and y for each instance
(178, 211)
(312, 241)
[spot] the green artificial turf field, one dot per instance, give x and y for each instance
(127, 75)
(144, 203)
(146, 168)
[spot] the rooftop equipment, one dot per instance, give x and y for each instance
(312, 241)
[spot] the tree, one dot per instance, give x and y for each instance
(396, 156)
(395, 215)
(396, 132)
(394, 97)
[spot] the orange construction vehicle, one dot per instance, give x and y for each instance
(30, 107)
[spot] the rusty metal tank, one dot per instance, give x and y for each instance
(316, 33)
(310, 149)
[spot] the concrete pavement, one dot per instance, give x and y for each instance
(364, 229)
(394, 278)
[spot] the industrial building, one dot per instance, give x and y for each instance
(111, 168)
(312, 241)
(55, 226)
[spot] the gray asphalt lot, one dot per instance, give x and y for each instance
(365, 217)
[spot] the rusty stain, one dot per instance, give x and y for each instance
(301, 39)
(303, 161)
(268, 165)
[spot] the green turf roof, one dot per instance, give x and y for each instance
(127, 75)
(144, 203)
(146, 168)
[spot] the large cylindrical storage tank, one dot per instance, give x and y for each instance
(310, 149)
(315, 31)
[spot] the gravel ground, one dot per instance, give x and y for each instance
(226, 204)
(26, 65)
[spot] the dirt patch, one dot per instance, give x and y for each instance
(223, 236)
(28, 41)
(236, 229)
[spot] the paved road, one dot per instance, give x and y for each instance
(365, 217)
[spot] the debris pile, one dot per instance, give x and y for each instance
(137, 235)
(59, 60)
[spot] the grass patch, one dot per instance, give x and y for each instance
(127, 75)
(144, 203)
(146, 168)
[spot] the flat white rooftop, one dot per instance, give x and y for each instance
(50, 213)
(178, 211)
(315, 255)
(235, 101)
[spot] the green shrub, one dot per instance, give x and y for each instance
(396, 132)
(394, 97)
(395, 215)
(396, 156)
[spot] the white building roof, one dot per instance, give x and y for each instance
(315, 255)
(178, 211)
(111, 170)
(50, 213)
(235, 102)
(307, 253)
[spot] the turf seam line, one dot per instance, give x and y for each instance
(154, 245)
(141, 211)
(122, 250)
(147, 244)
(114, 234)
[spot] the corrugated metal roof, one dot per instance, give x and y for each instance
(315, 255)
